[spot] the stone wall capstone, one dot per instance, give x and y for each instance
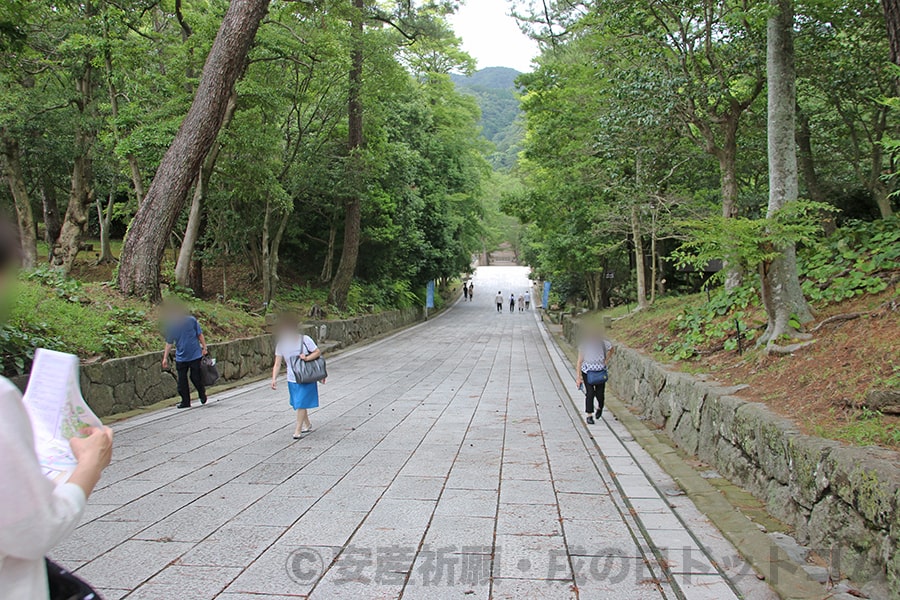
(842, 501)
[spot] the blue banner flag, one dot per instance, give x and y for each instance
(545, 300)
(429, 295)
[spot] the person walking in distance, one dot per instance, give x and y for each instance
(183, 331)
(303, 396)
(594, 353)
(471, 291)
(465, 292)
(521, 302)
(527, 300)
(499, 301)
(512, 303)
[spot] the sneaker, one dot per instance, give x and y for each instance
(182, 405)
(590, 420)
(598, 414)
(202, 400)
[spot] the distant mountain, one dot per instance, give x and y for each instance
(495, 90)
(495, 78)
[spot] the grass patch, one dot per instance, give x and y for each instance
(864, 428)
(817, 387)
(94, 321)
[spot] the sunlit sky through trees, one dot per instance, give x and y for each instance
(492, 36)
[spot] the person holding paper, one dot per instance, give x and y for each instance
(183, 331)
(35, 513)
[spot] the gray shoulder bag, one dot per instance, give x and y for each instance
(308, 371)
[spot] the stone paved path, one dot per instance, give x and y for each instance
(447, 461)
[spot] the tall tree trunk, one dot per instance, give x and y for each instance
(81, 196)
(876, 183)
(653, 273)
(343, 277)
(660, 282)
(594, 285)
(882, 198)
(137, 180)
(728, 168)
(329, 253)
(806, 160)
(24, 213)
(265, 271)
(192, 231)
(892, 19)
(195, 277)
(639, 267)
(727, 156)
(807, 164)
(104, 216)
(146, 240)
(781, 293)
(604, 286)
(52, 222)
(269, 246)
(274, 248)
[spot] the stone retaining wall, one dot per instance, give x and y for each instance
(122, 384)
(842, 501)
(351, 331)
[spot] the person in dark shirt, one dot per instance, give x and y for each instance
(184, 333)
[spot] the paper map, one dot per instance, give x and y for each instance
(57, 411)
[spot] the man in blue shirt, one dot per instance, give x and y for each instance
(183, 331)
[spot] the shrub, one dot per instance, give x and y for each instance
(855, 260)
(706, 323)
(17, 346)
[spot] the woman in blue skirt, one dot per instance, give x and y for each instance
(303, 396)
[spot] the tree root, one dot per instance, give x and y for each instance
(838, 318)
(790, 349)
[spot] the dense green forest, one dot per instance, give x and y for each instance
(669, 140)
(322, 140)
(495, 90)
(342, 150)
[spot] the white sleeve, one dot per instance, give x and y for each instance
(35, 514)
(310, 344)
(608, 345)
(279, 350)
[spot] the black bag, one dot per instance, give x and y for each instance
(66, 586)
(308, 371)
(597, 377)
(209, 373)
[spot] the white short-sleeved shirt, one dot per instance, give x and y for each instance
(593, 354)
(35, 513)
(499, 299)
(291, 346)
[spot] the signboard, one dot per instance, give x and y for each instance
(429, 295)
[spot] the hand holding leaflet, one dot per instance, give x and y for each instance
(57, 411)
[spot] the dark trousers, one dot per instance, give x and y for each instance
(499, 307)
(183, 389)
(512, 306)
(592, 392)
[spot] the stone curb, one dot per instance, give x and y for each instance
(787, 578)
